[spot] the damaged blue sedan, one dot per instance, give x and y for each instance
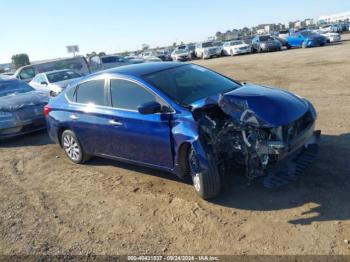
(188, 120)
(21, 108)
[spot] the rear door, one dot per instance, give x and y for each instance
(89, 118)
(137, 137)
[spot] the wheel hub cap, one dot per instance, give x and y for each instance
(71, 147)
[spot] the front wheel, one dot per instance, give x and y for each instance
(72, 147)
(207, 184)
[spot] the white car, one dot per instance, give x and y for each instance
(148, 54)
(181, 55)
(54, 82)
(283, 34)
(152, 59)
(207, 50)
(332, 37)
(236, 47)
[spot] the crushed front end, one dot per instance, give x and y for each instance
(234, 133)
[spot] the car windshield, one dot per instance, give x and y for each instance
(240, 42)
(217, 44)
(265, 38)
(111, 59)
(307, 33)
(189, 83)
(207, 44)
(62, 76)
(8, 88)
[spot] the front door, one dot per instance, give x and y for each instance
(137, 137)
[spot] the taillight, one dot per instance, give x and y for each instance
(47, 110)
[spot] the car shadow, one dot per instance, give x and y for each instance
(38, 138)
(322, 192)
(98, 161)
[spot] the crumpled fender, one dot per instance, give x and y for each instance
(185, 130)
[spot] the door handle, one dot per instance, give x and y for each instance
(74, 117)
(115, 123)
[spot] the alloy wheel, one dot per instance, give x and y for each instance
(71, 147)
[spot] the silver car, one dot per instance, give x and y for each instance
(54, 82)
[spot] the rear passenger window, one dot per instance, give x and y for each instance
(91, 92)
(128, 95)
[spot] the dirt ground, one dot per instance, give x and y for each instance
(50, 206)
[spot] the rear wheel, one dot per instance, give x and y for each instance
(206, 184)
(72, 147)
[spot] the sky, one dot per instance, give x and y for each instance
(43, 28)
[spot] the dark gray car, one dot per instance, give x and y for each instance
(265, 43)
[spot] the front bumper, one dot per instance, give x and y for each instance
(293, 159)
(22, 128)
(283, 150)
(242, 51)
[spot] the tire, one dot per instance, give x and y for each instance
(288, 46)
(72, 148)
(206, 184)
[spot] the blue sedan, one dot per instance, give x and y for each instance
(181, 118)
(306, 39)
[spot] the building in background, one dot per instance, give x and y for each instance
(339, 17)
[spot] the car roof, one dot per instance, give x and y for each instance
(142, 69)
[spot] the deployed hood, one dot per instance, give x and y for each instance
(275, 107)
(21, 100)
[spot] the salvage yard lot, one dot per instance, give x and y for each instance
(51, 206)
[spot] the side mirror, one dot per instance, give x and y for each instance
(44, 83)
(149, 108)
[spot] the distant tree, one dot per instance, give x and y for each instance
(219, 36)
(20, 60)
(91, 54)
(145, 46)
(101, 54)
(174, 44)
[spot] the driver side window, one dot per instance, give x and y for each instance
(129, 95)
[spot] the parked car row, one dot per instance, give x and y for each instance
(257, 44)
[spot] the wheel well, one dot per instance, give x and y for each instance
(183, 158)
(59, 134)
